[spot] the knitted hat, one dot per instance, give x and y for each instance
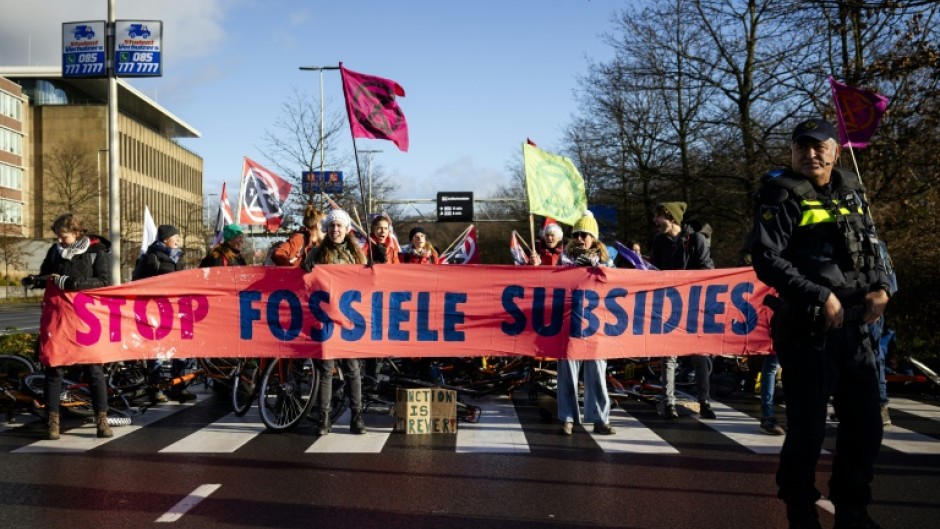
(165, 231)
(231, 231)
(586, 224)
(552, 228)
(675, 209)
(416, 230)
(336, 215)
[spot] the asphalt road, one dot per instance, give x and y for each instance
(197, 466)
(21, 316)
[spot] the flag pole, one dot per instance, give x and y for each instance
(362, 193)
(522, 240)
(525, 179)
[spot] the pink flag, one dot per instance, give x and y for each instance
(515, 248)
(263, 195)
(465, 251)
(373, 112)
(858, 111)
(224, 217)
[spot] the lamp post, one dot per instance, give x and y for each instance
(322, 149)
(369, 176)
(98, 160)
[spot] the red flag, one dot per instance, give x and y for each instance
(465, 251)
(858, 111)
(224, 217)
(515, 248)
(373, 112)
(263, 195)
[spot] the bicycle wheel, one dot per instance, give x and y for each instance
(287, 393)
(245, 385)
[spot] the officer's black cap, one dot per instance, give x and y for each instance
(816, 128)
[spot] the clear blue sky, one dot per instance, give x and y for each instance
(480, 76)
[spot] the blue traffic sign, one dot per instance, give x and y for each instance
(330, 182)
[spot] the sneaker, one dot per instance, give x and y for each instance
(885, 417)
(604, 429)
(854, 519)
(769, 426)
(705, 411)
(567, 428)
(157, 396)
(670, 413)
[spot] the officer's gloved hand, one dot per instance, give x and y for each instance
(65, 282)
(587, 260)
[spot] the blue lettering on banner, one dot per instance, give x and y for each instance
(388, 315)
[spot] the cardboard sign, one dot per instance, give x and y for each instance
(425, 411)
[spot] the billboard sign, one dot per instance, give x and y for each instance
(329, 182)
(456, 206)
(138, 48)
(83, 49)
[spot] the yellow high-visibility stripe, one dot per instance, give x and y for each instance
(815, 213)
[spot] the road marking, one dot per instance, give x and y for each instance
(177, 511)
(744, 430)
(631, 436)
(497, 432)
(83, 438)
(909, 442)
(920, 409)
(826, 505)
(342, 441)
(226, 435)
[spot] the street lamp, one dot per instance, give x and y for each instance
(369, 176)
(320, 69)
(98, 160)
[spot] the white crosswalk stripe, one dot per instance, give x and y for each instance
(499, 431)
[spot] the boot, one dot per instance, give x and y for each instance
(356, 425)
(101, 422)
(53, 422)
(325, 427)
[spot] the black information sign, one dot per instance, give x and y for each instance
(455, 206)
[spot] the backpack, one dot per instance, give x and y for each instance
(285, 246)
(269, 255)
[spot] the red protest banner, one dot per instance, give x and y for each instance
(355, 311)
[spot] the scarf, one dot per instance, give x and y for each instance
(174, 253)
(76, 248)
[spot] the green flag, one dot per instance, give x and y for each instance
(554, 185)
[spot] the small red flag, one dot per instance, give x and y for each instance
(263, 195)
(373, 112)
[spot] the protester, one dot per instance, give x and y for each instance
(299, 243)
(420, 251)
(75, 262)
(229, 251)
(338, 247)
(681, 248)
(380, 238)
(163, 257)
(550, 246)
(584, 250)
(814, 243)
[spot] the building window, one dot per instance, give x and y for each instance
(11, 212)
(11, 106)
(11, 141)
(11, 177)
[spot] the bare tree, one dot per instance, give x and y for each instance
(71, 174)
(13, 254)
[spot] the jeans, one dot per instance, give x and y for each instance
(703, 372)
(768, 384)
(880, 353)
(96, 383)
(351, 377)
(596, 399)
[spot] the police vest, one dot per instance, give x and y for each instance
(844, 210)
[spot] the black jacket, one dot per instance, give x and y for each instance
(88, 267)
(156, 262)
(687, 251)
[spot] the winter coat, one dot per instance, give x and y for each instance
(549, 256)
(408, 256)
(293, 251)
(223, 255)
(381, 253)
(155, 262)
(86, 264)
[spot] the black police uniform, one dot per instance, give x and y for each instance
(807, 242)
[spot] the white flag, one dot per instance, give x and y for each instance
(150, 231)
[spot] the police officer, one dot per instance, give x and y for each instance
(814, 242)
